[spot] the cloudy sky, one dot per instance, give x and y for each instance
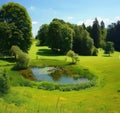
(74, 11)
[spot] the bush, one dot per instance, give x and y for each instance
(21, 57)
(4, 84)
(109, 48)
(95, 51)
(22, 61)
(74, 57)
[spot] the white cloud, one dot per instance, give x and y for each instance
(87, 22)
(34, 22)
(105, 20)
(90, 21)
(70, 18)
(116, 18)
(32, 8)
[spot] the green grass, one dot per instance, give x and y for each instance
(103, 98)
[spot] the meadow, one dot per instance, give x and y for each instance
(104, 97)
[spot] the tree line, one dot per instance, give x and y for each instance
(62, 36)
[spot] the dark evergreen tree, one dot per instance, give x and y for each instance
(113, 34)
(82, 43)
(103, 35)
(96, 33)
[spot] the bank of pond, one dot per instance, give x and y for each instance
(63, 78)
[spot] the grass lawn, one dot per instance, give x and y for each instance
(103, 98)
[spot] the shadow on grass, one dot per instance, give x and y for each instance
(47, 52)
(9, 59)
(106, 55)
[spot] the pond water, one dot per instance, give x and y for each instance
(53, 74)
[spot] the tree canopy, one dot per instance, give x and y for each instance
(113, 34)
(18, 26)
(83, 44)
(60, 36)
(42, 34)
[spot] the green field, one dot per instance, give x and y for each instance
(102, 98)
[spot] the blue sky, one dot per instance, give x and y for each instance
(74, 11)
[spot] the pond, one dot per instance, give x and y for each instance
(57, 75)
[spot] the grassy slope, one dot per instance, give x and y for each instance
(104, 98)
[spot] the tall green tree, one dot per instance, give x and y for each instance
(17, 14)
(42, 34)
(9, 35)
(103, 35)
(60, 36)
(82, 43)
(4, 37)
(96, 33)
(113, 34)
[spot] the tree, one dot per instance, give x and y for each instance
(109, 48)
(96, 33)
(14, 13)
(103, 35)
(113, 34)
(60, 36)
(9, 35)
(4, 37)
(42, 34)
(82, 42)
(73, 56)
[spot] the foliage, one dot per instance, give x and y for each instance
(82, 42)
(20, 32)
(22, 61)
(103, 35)
(4, 83)
(109, 48)
(96, 33)
(15, 51)
(95, 51)
(113, 34)
(42, 34)
(60, 36)
(65, 87)
(22, 58)
(73, 55)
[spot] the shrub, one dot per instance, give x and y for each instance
(109, 48)
(95, 51)
(4, 83)
(73, 56)
(21, 57)
(22, 61)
